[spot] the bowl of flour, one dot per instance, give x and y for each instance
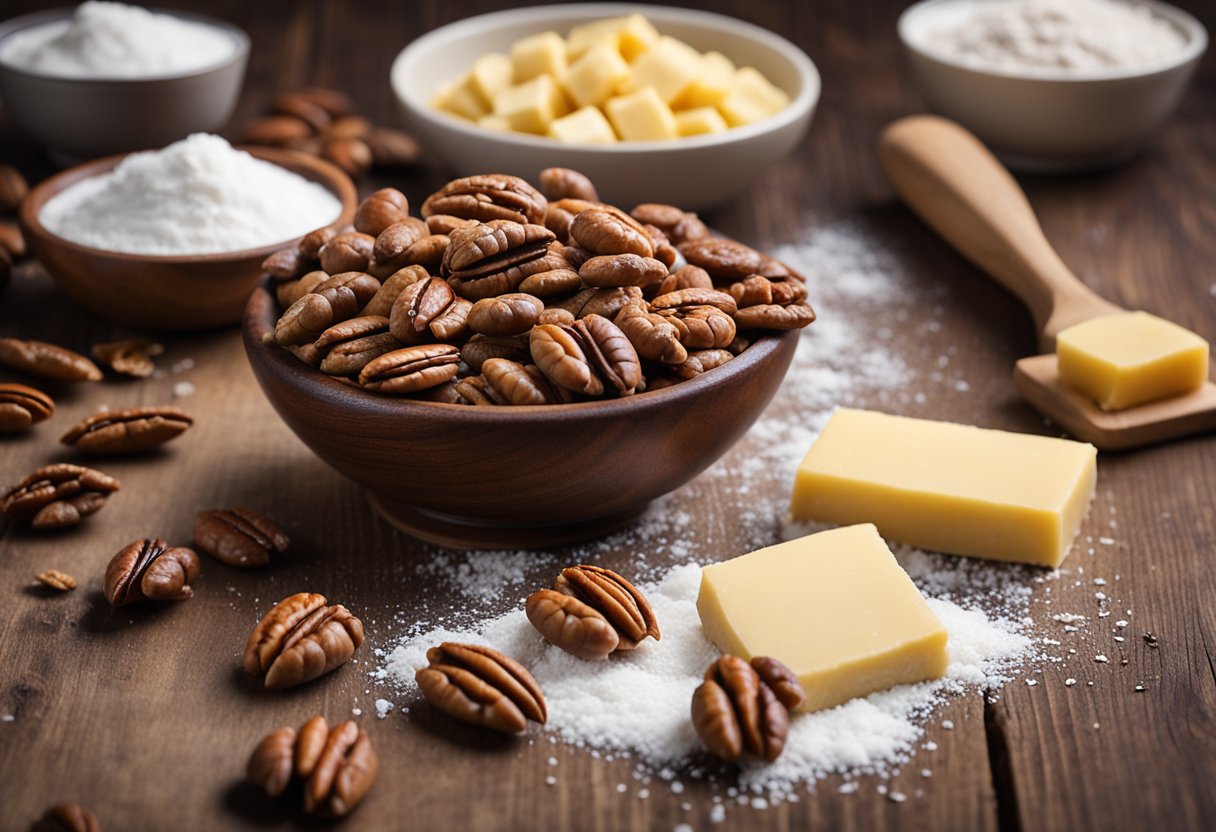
(1054, 85)
(108, 78)
(174, 239)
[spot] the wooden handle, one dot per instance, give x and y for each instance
(960, 189)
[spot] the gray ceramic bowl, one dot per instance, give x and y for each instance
(83, 118)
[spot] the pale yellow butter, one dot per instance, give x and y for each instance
(700, 121)
(834, 607)
(947, 487)
(595, 76)
(490, 75)
(630, 36)
(669, 67)
(460, 99)
(641, 116)
(751, 97)
(711, 86)
(1132, 358)
(529, 107)
(584, 126)
(495, 123)
(542, 54)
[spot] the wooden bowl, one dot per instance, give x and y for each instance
(178, 292)
(514, 477)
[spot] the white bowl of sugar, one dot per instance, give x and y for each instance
(108, 78)
(1054, 85)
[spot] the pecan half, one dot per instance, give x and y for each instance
(745, 707)
(606, 270)
(481, 686)
(380, 210)
(285, 264)
(484, 249)
(13, 188)
(338, 298)
(758, 290)
(56, 580)
(605, 230)
(488, 197)
(129, 357)
(724, 259)
(605, 302)
(685, 298)
(47, 360)
(347, 347)
(391, 148)
(511, 314)
(393, 250)
(592, 613)
(587, 356)
(291, 291)
(67, 817)
(655, 337)
(382, 302)
(678, 225)
(510, 383)
(686, 277)
(564, 183)
(58, 495)
(150, 570)
(350, 252)
(411, 369)
(337, 766)
(21, 407)
(301, 638)
(417, 307)
(238, 536)
(773, 316)
(127, 431)
(480, 348)
(701, 361)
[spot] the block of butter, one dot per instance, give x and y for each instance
(947, 487)
(1131, 358)
(834, 607)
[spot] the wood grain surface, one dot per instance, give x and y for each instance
(145, 714)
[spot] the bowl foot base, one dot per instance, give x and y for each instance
(464, 533)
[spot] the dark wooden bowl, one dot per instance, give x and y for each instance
(179, 292)
(518, 477)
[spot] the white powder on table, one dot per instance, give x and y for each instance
(112, 40)
(1057, 35)
(196, 196)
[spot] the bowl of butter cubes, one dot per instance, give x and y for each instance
(670, 105)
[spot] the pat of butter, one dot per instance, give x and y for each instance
(630, 35)
(946, 487)
(460, 99)
(699, 121)
(490, 75)
(1132, 358)
(595, 76)
(583, 126)
(717, 73)
(542, 54)
(834, 607)
(641, 116)
(494, 123)
(669, 67)
(751, 97)
(529, 107)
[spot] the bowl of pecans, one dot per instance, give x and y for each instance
(521, 367)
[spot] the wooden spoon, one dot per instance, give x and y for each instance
(959, 188)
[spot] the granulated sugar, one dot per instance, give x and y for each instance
(113, 40)
(196, 196)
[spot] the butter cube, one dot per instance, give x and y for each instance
(630, 35)
(834, 607)
(491, 74)
(699, 121)
(669, 66)
(714, 82)
(529, 107)
(946, 487)
(636, 35)
(751, 97)
(583, 126)
(595, 76)
(460, 99)
(641, 116)
(494, 123)
(1132, 358)
(542, 54)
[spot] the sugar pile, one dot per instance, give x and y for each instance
(1057, 34)
(196, 196)
(113, 40)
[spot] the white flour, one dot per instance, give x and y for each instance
(1057, 34)
(112, 40)
(196, 196)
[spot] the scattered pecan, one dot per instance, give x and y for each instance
(67, 817)
(58, 495)
(337, 766)
(481, 686)
(61, 581)
(47, 360)
(745, 707)
(150, 570)
(592, 613)
(238, 536)
(127, 431)
(129, 357)
(21, 407)
(301, 638)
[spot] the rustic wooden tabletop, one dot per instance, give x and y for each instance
(146, 716)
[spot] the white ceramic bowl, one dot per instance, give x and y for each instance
(1051, 120)
(693, 172)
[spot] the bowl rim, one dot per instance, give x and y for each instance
(799, 106)
(257, 327)
(1194, 31)
(332, 178)
(239, 36)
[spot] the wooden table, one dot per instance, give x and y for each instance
(146, 716)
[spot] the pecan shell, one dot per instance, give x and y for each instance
(300, 639)
(481, 686)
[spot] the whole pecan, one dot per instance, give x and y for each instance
(481, 686)
(564, 183)
(129, 357)
(411, 369)
(67, 817)
(588, 356)
(336, 765)
(346, 348)
(606, 230)
(338, 298)
(488, 197)
(745, 707)
(351, 252)
(550, 283)
(725, 259)
(21, 407)
(380, 210)
(277, 131)
(511, 314)
(127, 431)
(592, 613)
(150, 570)
(238, 536)
(58, 495)
(47, 360)
(301, 638)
